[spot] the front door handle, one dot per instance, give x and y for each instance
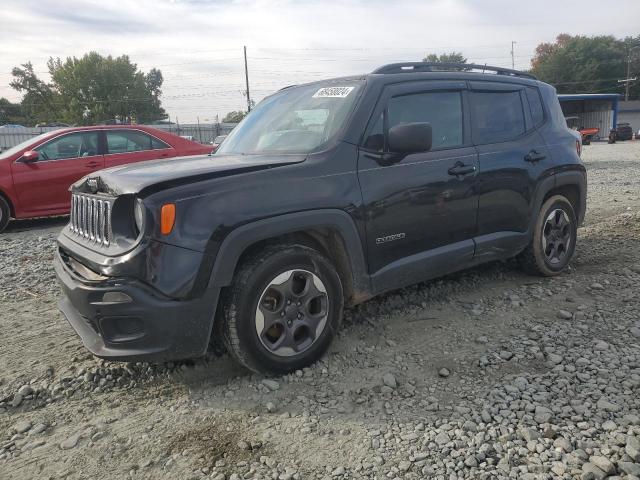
(461, 169)
(534, 156)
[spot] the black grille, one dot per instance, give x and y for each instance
(91, 219)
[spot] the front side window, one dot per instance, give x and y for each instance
(124, 141)
(497, 116)
(295, 120)
(443, 110)
(73, 145)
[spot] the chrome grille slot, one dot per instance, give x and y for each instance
(91, 219)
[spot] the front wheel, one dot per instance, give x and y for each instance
(5, 214)
(282, 310)
(554, 238)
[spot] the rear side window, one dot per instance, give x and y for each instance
(123, 141)
(497, 116)
(535, 104)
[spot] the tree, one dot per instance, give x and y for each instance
(10, 112)
(234, 117)
(40, 102)
(580, 64)
(453, 57)
(91, 89)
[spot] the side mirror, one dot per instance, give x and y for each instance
(29, 156)
(410, 137)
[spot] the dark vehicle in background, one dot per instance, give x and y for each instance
(217, 141)
(624, 131)
(35, 175)
(325, 195)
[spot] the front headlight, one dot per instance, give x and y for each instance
(138, 215)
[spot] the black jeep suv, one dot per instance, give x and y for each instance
(325, 195)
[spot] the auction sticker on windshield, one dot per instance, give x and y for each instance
(333, 92)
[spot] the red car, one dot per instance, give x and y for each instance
(35, 175)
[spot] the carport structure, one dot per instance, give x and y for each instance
(590, 110)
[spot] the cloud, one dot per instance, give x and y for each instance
(198, 43)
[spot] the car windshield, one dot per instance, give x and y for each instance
(295, 120)
(23, 145)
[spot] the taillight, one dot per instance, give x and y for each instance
(578, 147)
(167, 218)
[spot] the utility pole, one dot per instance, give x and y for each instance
(246, 76)
(513, 57)
(628, 80)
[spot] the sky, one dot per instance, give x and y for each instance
(198, 44)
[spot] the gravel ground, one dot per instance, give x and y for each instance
(488, 373)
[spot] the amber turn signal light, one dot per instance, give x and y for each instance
(167, 218)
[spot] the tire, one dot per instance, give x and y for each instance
(301, 330)
(5, 214)
(554, 239)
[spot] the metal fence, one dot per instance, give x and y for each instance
(202, 133)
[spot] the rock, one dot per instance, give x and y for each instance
(597, 286)
(444, 372)
(17, 400)
(389, 380)
(270, 407)
(22, 427)
(404, 465)
(506, 355)
(70, 442)
(39, 428)
(629, 468)
(609, 425)
(471, 461)
(563, 444)
(25, 390)
(564, 315)
(542, 414)
(554, 358)
(633, 448)
(338, 471)
(529, 434)
(243, 445)
(635, 332)
(607, 406)
(271, 384)
(591, 472)
(603, 463)
(442, 438)
(601, 345)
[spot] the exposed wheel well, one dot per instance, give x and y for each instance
(570, 192)
(326, 241)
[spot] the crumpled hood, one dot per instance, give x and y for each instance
(158, 174)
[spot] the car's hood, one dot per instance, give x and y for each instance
(158, 174)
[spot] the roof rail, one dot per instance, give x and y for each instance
(411, 67)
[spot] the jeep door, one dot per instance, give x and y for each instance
(513, 157)
(420, 208)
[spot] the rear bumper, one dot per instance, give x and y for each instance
(148, 327)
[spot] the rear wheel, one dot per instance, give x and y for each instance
(282, 309)
(554, 238)
(5, 214)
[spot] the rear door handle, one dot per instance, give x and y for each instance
(461, 169)
(534, 156)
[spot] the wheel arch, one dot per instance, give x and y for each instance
(332, 232)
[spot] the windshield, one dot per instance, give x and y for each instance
(23, 145)
(294, 120)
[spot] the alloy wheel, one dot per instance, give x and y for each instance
(292, 312)
(556, 236)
